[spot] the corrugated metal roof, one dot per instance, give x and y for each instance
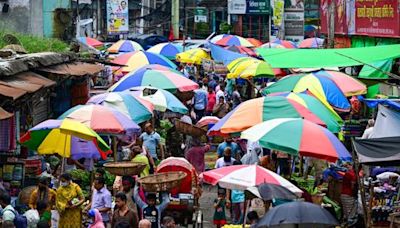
(18, 85)
(73, 69)
(4, 114)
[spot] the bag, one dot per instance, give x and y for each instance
(20, 221)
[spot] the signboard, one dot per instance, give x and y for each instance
(200, 14)
(294, 26)
(294, 5)
(117, 16)
(377, 17)
(248, 7)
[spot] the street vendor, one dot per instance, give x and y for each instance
(43, 193)
(150, 210)
(348, 195)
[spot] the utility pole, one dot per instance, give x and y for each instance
(331, 27)
(175, 18)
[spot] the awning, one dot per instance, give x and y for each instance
(4, 114)
(319, 58)
(18, 85)
(380, 151)
(73, 69)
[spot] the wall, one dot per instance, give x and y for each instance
(17, 17)
(50, 28)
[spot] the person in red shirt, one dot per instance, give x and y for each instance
(196, 155)
(349, 194)
(211, 97)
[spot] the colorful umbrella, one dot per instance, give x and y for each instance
(168, 50)
(348, 85)
(255, 111)
(255, 42)
(285, 43)
(218, 37)
(234, 40)
(312, 43)
(135, 60)
(124, 46)
(137, 109)
(151, 75)
(194, 56)
(90, 41)
(242, 50)
(206, 120)
(102, 119)
(161, 99)
(332, 120)
(306, 139)
(272, 45)
(241, 177)
(67, 138)
(247, 67)
(322, 88)
(268, 192)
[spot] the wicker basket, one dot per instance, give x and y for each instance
(124, 168)
(162, 182)
(25, 194)
(189, 129)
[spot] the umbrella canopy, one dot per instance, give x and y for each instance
(247, 67)
(306, 139)
(348, 85)
(195, 56)
(124, 46)
(272, 45)
(255, 111)
(218, 37)
(285, 43)
(241, 177)
(90, 41)
(332, 120)
(267, 192)
(168, 50)
(135, 60)
(102, 119)
(242, 50)
(206, 120)
(297, 213)
(322, 88)
(254, 41)
(161, 99)
(67, 138)
(234, 40)
(152, 75)
(136, 109)
(312, 43)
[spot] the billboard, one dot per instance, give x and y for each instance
(248, 7)
(117, 16)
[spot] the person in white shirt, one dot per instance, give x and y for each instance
(8, 211)
(226, 160)
(368, 131)
(221, 93)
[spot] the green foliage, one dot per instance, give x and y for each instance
(84, 176)
(202, 29)
(109, 178)
(224, 27)
(34, 44)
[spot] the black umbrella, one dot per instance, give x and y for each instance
(270, 191)
(297, 214)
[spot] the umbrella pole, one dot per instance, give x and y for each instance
(63, 157)
(114, 142)
(246, 205)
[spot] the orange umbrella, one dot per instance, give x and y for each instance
(254, 41)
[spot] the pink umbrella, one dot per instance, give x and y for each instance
(206, 120)
(241, 177)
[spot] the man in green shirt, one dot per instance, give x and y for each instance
(138, 156)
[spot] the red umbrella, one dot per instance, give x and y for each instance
(242, 50)
(255, 42)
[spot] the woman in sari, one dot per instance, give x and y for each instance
(43, 194)
(68, 202)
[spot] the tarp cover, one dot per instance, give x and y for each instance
(318, 58)
(384, 146)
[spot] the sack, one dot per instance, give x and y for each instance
(20, 221)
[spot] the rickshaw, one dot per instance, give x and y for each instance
(183, 206)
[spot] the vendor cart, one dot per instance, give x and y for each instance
(184, 199)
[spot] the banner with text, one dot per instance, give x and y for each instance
(117, 16)
(248, 7)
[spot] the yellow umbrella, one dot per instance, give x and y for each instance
(248, 67)
(194, 56)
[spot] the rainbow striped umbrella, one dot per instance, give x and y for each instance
(135, 108)
(242, 50)
(90, 41)
(312, 43)
(285, 43)
(254, 41)
(272, 45)
(254, 111)
(68, 138)
(195, 56)
(167, 50)
(234, 40)
(135, 60)
(348, 85)
(216, 38)
(102, 119)
(151, 75)
(298, 137)
(332, 120)
(322, 88)
(124, 46)
(248, 67)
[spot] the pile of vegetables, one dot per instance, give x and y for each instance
(83, 178)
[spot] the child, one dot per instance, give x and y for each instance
(219, 205)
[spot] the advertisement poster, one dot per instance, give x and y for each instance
(117, 16)
(277, 17)
(377, 18)
(341, 19)
(248, 7)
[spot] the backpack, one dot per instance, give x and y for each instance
(20, 221)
